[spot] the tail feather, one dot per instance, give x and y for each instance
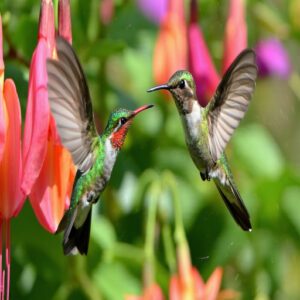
(77, 239)
(234, 203)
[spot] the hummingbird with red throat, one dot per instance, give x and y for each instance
(93, 154)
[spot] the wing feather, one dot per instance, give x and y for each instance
(71, 105)
(230, 102)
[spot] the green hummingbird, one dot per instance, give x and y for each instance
(208, 129)
(93, 154)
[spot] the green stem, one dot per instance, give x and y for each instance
(81, 277)
(150, 233)
(180, 237)
(168, 247)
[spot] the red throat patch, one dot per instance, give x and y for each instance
(118, 137)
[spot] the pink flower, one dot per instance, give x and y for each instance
(272, 59)
(235, 39)
(155, 10)
(152, 292)
(188, 283)
(170, 53)
(200, 62)
(48, 169)
(11, 196)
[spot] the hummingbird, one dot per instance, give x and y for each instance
(208, 129)
(93, 154)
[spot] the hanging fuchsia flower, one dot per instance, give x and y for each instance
(200, 62)
(272, 59)
(235, 39)
(154, 10)
(170, 53)
(11, 196)
(48, 169)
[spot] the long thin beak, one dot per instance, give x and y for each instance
(159, 87)
(144, 107)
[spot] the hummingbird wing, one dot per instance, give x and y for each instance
(230, 102)
(71, 105)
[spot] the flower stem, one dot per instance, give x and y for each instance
(150, 233)
(168, 246)
(183, 252)
(7, 257)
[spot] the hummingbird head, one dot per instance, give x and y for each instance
(182, 87)
(118, 124)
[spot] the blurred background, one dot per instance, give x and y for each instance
(115, 42)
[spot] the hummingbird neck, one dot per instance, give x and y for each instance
(191, 120)
(117, 137)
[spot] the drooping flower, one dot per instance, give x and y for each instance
(154, 10)
(48, 168)
(272, 59)
(235, 39)
(170, 52)
(11, 196)
(200, 62)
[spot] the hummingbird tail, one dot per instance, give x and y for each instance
(234, 203)
(77, 239)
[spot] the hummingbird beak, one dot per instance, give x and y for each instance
(144, 107)
(159, 87)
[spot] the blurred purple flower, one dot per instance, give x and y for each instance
(272, 59)
(154, 10)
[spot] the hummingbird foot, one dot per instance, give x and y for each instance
(205, 175)
(91, 197)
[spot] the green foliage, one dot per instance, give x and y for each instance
(263, 154)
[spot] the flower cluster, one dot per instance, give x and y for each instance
(42, 169)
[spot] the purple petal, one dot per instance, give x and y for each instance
(273, 59)
(154, 10)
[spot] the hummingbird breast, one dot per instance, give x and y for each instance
(196, 137)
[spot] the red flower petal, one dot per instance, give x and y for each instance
(11, 197)
(213, 284)
(2, 120)
(235, 33)
(37, 119)
(64, 20)
(52, 188)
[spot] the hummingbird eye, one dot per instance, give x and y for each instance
(181, 84)
(123, 120)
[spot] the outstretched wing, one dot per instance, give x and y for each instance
(230, 102)
(71, 105)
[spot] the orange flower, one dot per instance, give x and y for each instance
(189, 285)
(152, 292)
(235, 33)
(48, 169)
(170, 53)
(11, 197)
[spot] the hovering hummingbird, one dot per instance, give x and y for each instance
(93, 154)
(208, 129)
